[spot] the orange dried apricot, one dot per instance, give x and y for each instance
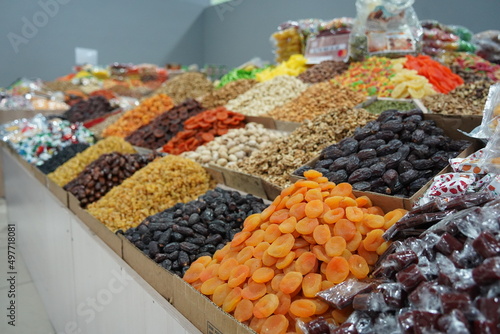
(302, 308)
(306, 225)
(344, 228)
(240, 238)
(272, 233)
(232, 299)
(251, 222)
(290, 282)
(314, 208)
(285, 261)
(244, 254)
(321, 234)
(312, 174)
(259, 250)
(208, 287)
(373, 240)
(266, 305)
(275, 324)
(256, 238)
(244, 310)
(354, 214)
(268, 260)
(311, 285)
(353, 244)
(253, 290)
(238, 275)
(284, 303)
(263, 275)
(298, 210)
(358, 266)
(337, 269)
(253, 264)
(314, 194)
(288, 225)
(305, 263)
(193, 273)
(281, 246)
(220, 294)
(225, 268)
(335, 246)
(342, 189)
(278, 216)
(333, 216)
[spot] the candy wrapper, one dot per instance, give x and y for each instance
(469, 164)
(448, 185)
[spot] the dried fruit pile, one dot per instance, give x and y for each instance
(61, 157)
(139, 116)
(472, 67)
(265, 96)
(176, 237)
(164, 127)
(234, 146)
(98, 128)
(277, 161)
(445, 280)
(396, 155)
(71, 168)
(324, 71)
(316, 100)
(108, 171)
(220, 97)
(94, 107)
(314, 235)
(156, 187)
(191, 85)
(468, 99)
(203, 128)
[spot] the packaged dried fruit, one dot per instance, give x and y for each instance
(314, 235)
(490, 160)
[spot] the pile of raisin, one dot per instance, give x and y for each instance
(397, 154)
(166, 126)
(94, 107)
(176, 237)
(61, 157)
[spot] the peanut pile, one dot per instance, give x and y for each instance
(156, 187)
(277, 161)
(235, 145)
(71, 168)
(316, 100)
(187, 85)
(266, 96)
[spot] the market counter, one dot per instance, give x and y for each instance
(85, 287)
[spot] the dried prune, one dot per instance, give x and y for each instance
(332, 152)
(362, 186)
(421, 151)
(359, 175)
(423, 164)
(378, 169)
(414, 118)
(338, 176)
(392, 125)
(367, 154)
(348, 146)
(408, 176)
(366, 143)
(405, 136)
(352, 164)
(338, 164)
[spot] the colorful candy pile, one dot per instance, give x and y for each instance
(471, 67)
(314, 235)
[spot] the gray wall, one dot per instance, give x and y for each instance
(148, 31)
(239, 30)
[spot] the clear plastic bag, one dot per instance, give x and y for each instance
(488, 45)
(491, 157)
(388, 28)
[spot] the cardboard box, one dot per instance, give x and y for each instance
(58, 192)
(241, 181)
(450, 124)
(106, 235)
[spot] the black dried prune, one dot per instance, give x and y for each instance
(348, 146)
(153, 249)
(367, 154)
(362, 186)
(359, 175)
(408, 176)
(217, 228)
(338, 164)
(323, 164)
(427, 125)
(201, 229)
(332, 152)
(418, 136)
(366, 143)
(368, 163)
(385, 135)
(391, 177)
(171, 247)
(352, 164)
(338, 176)
(394, 125)
(423, 164)
(183, 259)
(404, 166)
(378, 169)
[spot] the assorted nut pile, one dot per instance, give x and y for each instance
(74, 166)
(139, 116)
(164, 127)
(99, 127)
(324, 71)
(61, 157)
(220, 97)
(277, 161)
(176, 237)
(156, 187)
(94, 107)
(61, 86)
(468, 99)
(379, 106)
(203, 128)
(235, 145)
(395, 155)
(187, 85)
(317, 100)
(313, 236)
(266, 96)
(108, 171)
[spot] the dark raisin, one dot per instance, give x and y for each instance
(427, 174)
(386, 149)
(359, 175)
(201, 229)
(367, 154)
(421, 151)
(417, 184)
(183, 259)
(417, 118)
(300, 171)
(171, 247)
(167, 264)
(153, 249)
(217, 228)
(362, 133)
(214, 239)
(386, 115)
(459, 145)
(160, 257)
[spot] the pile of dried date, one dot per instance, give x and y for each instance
(323, 71)
(166, 126)
(108, 171)
(94, 107)
(395, 155)
(176, 237)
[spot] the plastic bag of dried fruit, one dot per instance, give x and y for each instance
(388, 28)
(491, 157)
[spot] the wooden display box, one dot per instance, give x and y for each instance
(450, 124)
(58, 192)
(273, 124)
(241, 181)
(106, 235)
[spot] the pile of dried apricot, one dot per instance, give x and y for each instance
(139, 116)
(314, 235)
(203, 128)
